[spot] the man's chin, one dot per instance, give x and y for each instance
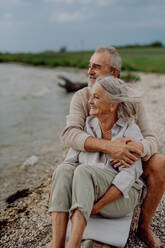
(91, 82)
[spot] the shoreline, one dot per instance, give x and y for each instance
(26, 223)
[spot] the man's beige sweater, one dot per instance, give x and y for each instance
(74, 136)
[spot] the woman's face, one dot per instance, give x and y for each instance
(99, 101)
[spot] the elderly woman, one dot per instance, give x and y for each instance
(87, 182)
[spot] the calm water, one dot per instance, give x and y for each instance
(32, 110)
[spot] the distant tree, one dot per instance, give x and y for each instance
(156, 44)
(49, 52)
(153, 44)
(63, 49)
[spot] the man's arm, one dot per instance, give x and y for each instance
(119, 149)
(150, 140)
(74, 136)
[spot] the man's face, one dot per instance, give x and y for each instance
(99, 65)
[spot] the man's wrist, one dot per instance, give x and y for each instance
(93, 144)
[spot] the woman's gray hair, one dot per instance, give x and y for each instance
(120, 92)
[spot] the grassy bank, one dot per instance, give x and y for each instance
(146, 59)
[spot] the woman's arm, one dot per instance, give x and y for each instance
(112, 194)
(121, 185)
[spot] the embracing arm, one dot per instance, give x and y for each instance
(74, 136)
(150, 141)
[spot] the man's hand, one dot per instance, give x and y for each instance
(132, 147)
(120, 149)
(125, 150)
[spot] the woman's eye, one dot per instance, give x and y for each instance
(96, 97)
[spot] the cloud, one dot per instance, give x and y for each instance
(9, 22)
(14, 2)
(105, 2)
(68, 17)
(7, 4)
(6, 21)
(98, 2)
(59, 1)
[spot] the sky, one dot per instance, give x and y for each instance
(41, 25)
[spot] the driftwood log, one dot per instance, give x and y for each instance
(71, 86)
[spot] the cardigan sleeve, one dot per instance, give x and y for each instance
(150, 141)
(73, 135)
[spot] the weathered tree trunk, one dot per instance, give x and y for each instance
(71, 86)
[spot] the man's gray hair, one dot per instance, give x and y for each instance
(119, 92)
(115, 58)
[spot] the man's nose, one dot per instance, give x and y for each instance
(90, 70)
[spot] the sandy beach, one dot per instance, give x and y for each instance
(24, 222)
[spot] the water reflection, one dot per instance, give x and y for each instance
(32, 110)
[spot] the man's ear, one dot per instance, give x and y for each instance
(116, 73)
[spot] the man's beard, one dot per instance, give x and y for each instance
(91, 81)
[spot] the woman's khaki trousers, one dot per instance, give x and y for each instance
(80, 187)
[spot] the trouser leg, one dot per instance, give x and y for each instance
(90, 184)
(122, 206)
(61, 191)
(83, 188)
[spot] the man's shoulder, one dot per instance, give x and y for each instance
(81, 96)
(84, 91)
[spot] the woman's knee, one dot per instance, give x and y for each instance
(64, 170)
(82, 171)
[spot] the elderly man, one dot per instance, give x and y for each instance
(107, 61)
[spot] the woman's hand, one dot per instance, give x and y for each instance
(111, 195)
(96, 208)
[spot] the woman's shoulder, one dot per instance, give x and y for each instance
(92, 126)
(133, 131)
(91, 121)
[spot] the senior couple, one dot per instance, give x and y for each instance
(110, 136)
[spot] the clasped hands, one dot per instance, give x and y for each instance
(125, 152)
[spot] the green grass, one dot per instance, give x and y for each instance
(146, 59)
